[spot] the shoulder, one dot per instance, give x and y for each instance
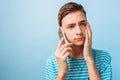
(51, 60)
(102, 60)
(51, 68)
(101, 56)
(50, 57)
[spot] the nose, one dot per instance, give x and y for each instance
(78, 30)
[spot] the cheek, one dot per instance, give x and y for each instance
(69, 34)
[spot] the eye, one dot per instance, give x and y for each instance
(83, 24)
(70, 27)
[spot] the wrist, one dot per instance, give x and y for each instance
(90, 61)
(61, 76)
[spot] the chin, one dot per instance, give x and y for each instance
(79, 43)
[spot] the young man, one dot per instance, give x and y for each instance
(77, 60)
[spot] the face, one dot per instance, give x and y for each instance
(74, 25)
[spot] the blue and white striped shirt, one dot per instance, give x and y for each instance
(77, 67)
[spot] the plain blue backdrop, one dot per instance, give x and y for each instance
(28, 34)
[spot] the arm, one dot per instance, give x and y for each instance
(60, 77)
(92, 70)
(105, 72)
(87, 52)
(61, 54)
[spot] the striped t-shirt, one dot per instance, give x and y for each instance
(77, 67)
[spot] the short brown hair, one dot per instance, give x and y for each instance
(69, 8)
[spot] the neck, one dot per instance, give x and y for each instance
(77, 51)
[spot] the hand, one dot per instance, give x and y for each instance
(87, 52)
(62, 53)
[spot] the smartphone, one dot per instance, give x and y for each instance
(62, 34)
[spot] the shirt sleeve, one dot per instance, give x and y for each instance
(106, 73)
(50, 72)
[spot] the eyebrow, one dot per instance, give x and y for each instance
(82, 21)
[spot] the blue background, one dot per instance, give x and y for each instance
(28, 34)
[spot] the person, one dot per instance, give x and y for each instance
(77, 60)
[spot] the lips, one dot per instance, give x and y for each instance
(79, 39)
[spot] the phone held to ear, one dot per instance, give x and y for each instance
(62, 34)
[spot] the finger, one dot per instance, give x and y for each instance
(88, 40)
(89, 30)
(65, 50)
(61, 54)
(64, 46)
(86, 37)
(66, 55)
(89, 33)
(60, 43)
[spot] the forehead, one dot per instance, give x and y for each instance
(73, 17)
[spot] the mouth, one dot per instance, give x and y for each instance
(79, 39)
